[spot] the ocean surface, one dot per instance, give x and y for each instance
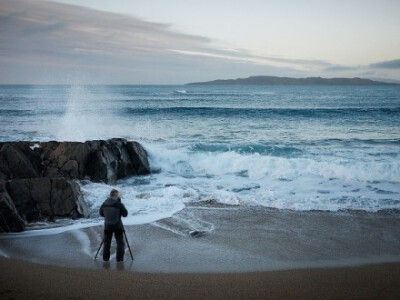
(286, 147)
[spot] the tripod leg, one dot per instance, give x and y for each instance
(126, 239)
(102, 242)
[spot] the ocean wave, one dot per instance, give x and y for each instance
(180, 91)
(299, 183)
(17, 112)
(28, 112)
(364, 141)
(263, 112)
(249, 148)
(181, 161)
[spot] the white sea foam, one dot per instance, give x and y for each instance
(34, 146)
(3, 254)
(145, 203)
(181, 91)
(83, 239)
(279, 182)
(181, 161)
(80, 224)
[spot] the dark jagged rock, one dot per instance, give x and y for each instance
(31, 198)
(100, 160)
(18, 160)
(10, 220)
(37, 178)
(64, 159)
(67, 199)
(197, 233)
(38, 199)
(139, 158)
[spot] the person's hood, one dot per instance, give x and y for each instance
(110, 201)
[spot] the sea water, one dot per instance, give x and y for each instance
(286, 147)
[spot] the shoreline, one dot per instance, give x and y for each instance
(229, 240)
(25, 280)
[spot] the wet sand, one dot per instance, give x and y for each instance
(233, 239)
(23, 280)
(239, 253)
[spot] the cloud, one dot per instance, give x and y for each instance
(45, 35)
(381, 70)
(389, 64)
(48, 42)
(340, 68)
(245, 55)
(368, 73)
(59, 27)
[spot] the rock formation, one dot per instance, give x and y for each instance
(38, 180)
(101, 161)
(10, 220)
(18, 160)
(39, 199)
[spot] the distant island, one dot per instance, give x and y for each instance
(274, 80)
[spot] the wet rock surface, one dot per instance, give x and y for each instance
(38, 199)
(39, 180)
(10, 220)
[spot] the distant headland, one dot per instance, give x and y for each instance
(275, 80)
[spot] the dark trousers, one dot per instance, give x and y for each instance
(119, 237)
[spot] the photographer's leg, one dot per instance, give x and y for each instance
(119, 236)
(107, 244)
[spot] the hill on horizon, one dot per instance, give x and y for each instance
(275, 80)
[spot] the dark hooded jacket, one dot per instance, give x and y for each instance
(112, 210)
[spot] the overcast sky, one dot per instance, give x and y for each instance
(180, 41)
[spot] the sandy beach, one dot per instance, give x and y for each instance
(23, 280)
(252, 253)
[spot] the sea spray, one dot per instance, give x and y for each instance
(86, 116)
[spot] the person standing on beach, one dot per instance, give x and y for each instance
(112, 209)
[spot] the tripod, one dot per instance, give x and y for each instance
(126, 239)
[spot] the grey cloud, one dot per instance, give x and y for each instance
(46, 41)
(335, 68)
(242, 54)
(44, 28)
(76, 27)
(389, 64)
(365, 70)
(368, 73)
(304, 62)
